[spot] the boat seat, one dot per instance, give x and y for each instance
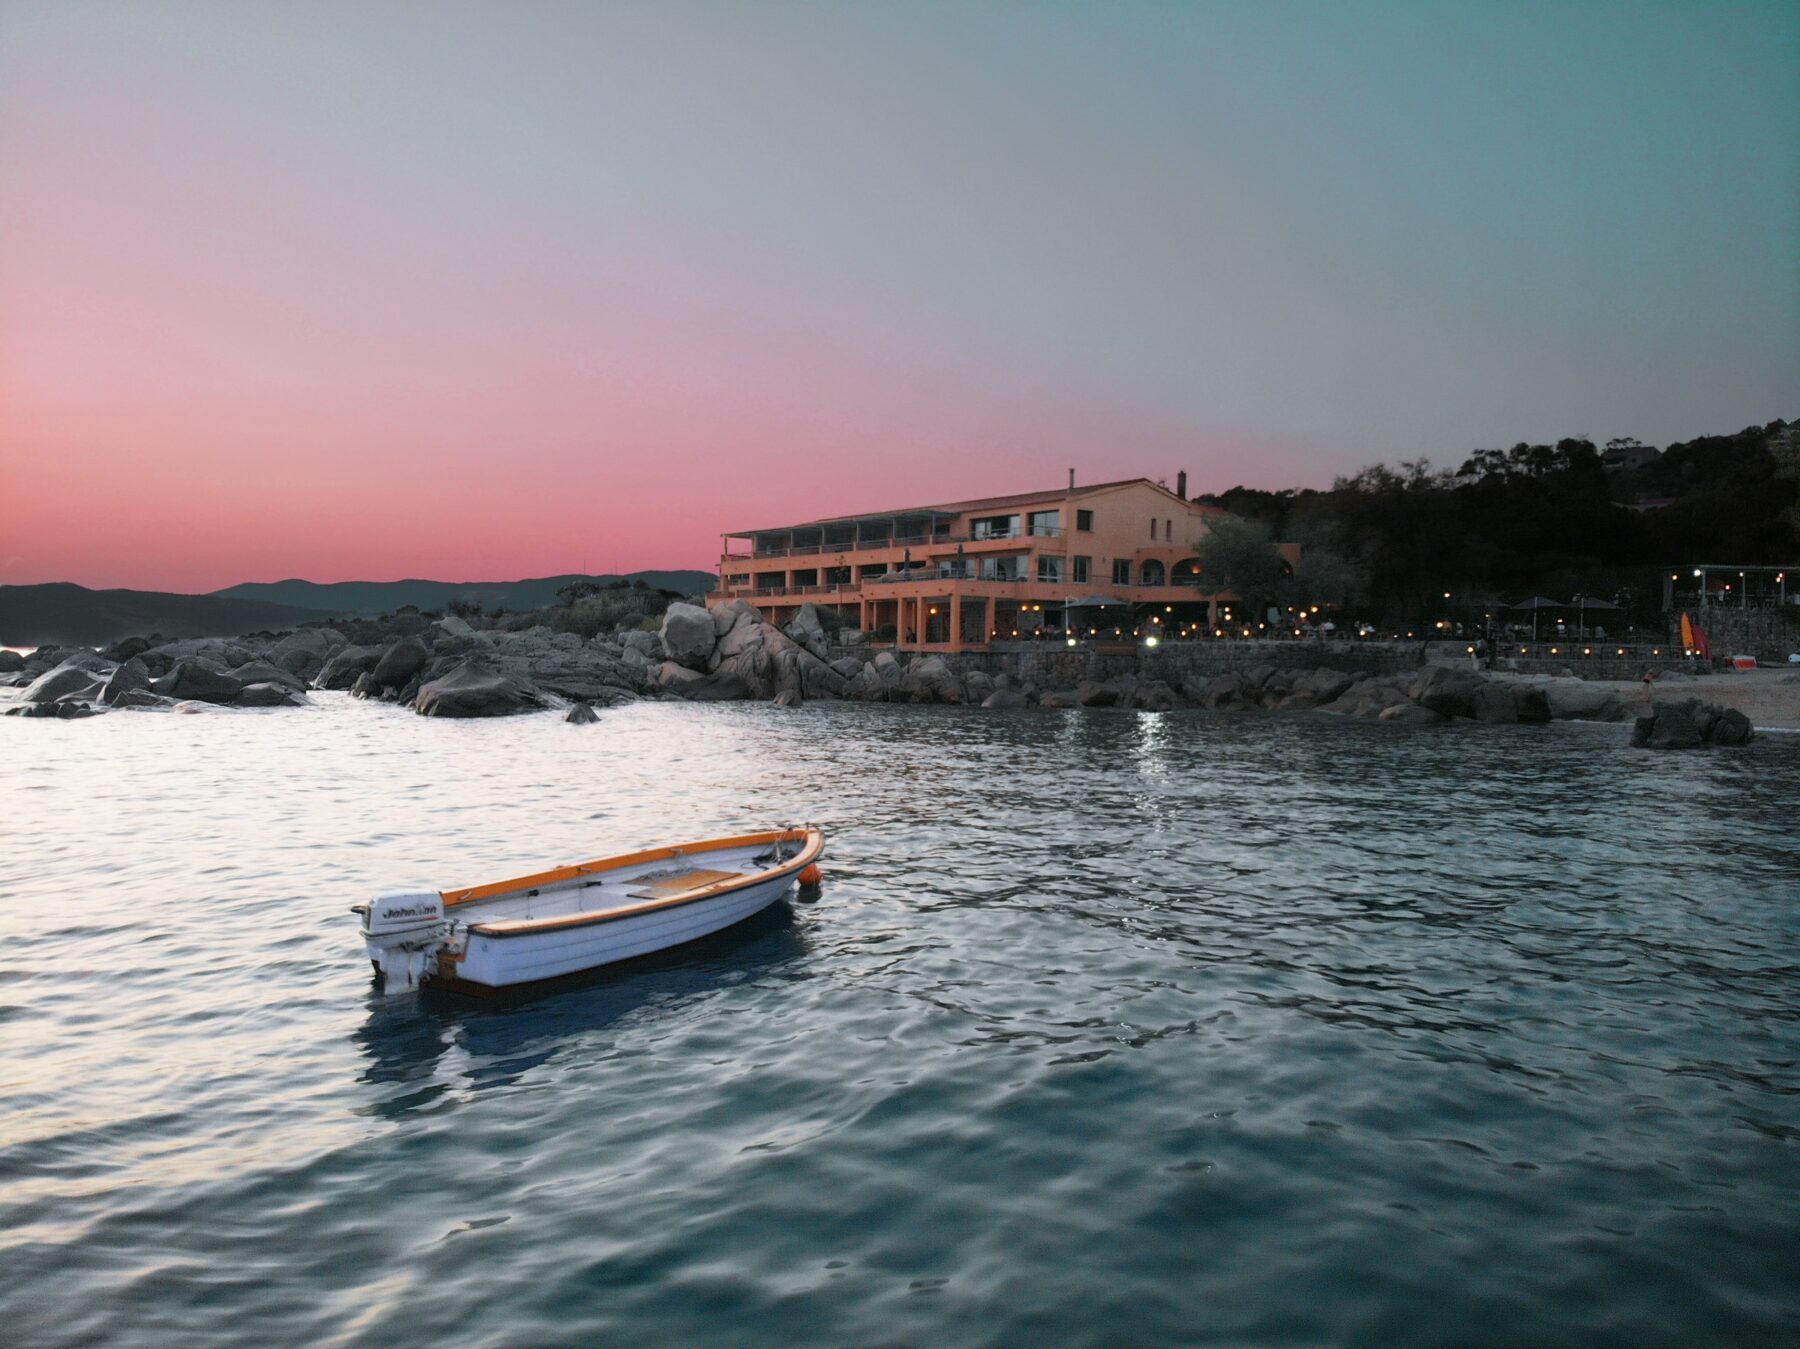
(665, 886)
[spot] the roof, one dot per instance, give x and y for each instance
(975, 504)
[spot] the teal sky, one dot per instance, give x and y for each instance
(886, 251)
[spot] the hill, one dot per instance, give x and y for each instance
(368, 598)
(71, 615)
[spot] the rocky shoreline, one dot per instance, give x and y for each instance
(443, 667)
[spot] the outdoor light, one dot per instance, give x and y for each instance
(1150, 641)
(1071, 641)
(1696, 571)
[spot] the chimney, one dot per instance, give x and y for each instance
(1071, 480)
(1181, 484)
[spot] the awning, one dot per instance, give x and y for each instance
(1097, 602)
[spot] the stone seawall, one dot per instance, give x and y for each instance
(1051, 665)
(1768, 634)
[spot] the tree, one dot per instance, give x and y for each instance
(1240, 556)
(1327, 577)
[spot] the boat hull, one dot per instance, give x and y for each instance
(490, 963)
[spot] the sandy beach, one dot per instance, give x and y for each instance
(1769, 697)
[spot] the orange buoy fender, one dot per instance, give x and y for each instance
(811, 875)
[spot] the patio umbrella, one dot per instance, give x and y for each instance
(1535, 603)
(1095, 609)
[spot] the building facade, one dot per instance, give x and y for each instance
(1100, 558)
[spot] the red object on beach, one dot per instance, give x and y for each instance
(1743, 662)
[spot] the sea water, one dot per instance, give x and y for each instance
(1106, 1027)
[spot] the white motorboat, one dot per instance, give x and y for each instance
(546, 926)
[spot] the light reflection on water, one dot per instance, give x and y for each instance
(1109, 1026)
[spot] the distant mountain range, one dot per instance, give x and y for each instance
(368, 598)
(72, 615)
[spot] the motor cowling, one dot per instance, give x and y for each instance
(406, 912)
(403, 933)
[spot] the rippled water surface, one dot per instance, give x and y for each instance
(1108, 1027)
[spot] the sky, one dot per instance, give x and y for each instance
(482, 291)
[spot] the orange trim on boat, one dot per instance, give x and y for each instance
(602, 864)
(522, 927)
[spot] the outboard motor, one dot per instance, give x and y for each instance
(403, 933)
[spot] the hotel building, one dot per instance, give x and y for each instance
(964, 575)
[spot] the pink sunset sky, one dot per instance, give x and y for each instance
(480, 292)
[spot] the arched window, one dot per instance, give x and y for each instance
(1185, 572)
(1151, 572)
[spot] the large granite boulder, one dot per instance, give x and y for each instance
(806, 629)
(582, 714)
(474, 688)
(734, 615)
(817, 679)
(929, 680)
(303, 653)
(1096, 693)
(1577, 700)
(399, 663)
(1732, 728)
(1006, 697)
(669, 676)
(268, 694)
(1448, 692)
(755, 667)
(1153, 695)
(1322, 686)
(193, 681)
(67, 680)
(1669, 726)
(126, 647)
(131, 677)
(345, 664)
(11, 662)
(646, 644)
(687, 634)
(222, 653)
(1368, 699)
(267, 672)
(1690, 723)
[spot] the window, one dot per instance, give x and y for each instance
(1078, 570)
(994, 527)
(1153, 529)
(1121, 571)
(1084, 521)
(1049, 569)
(1152, 572)
(1045, 523)
(1168, 530)
(1003, 569)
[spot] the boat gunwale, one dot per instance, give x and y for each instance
(813, 846)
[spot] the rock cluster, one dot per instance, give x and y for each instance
(445, 668)
(1689, 724)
